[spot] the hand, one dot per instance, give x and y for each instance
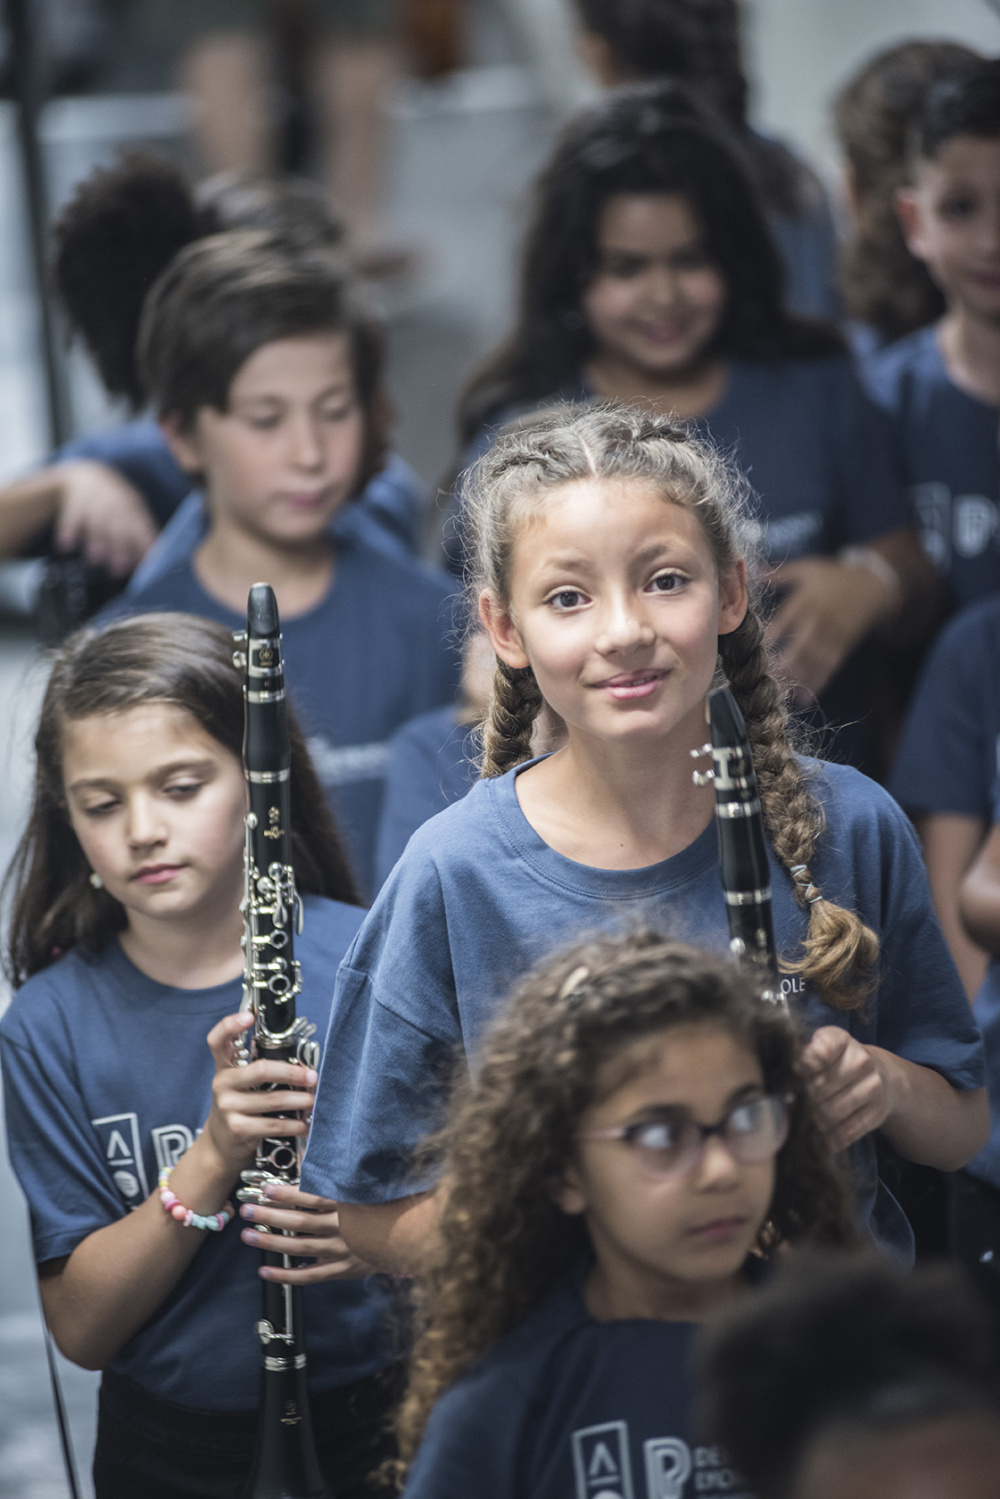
(848, 1088)
(103, 516)
(316, 1226)
(829, 609)
(241, 1114)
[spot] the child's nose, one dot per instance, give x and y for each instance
(306, 444)
(145, 826)
(623, 628)
(718, 1166)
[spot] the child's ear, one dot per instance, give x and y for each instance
(904, 201)
(183, 443)
(734, 597)
(567, 1192)
(503, 633)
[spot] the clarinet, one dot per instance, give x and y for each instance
(743, 861)
(286, 1465)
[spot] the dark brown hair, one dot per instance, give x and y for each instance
(155, 658)
(875, 114)
(512, 481)
(502, 1241)
(224, 297)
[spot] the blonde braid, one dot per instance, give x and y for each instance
(515, 704)
(840, 950)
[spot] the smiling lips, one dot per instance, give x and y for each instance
(156, 874)
(628, 685)
(719, 1231)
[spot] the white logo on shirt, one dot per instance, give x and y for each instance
(170, 1142)
(668, 1463)
(965, 525)
(601, 1462)
(119, 1137)
(340, 765)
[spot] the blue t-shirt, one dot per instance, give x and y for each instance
(948, 443)
(949, 758)
(374, 652)
(986, 1008)
(566, 1407)
(478, 898)
(392, 502)
(107, 1079)
(433, 760)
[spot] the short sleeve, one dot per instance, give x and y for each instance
(470, 1445)
(394, 1037)
(53, 1149)
(947, 758)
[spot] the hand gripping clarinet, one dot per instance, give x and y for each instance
(746, 873)
(285, 1462)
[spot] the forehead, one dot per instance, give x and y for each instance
(123, 745)
(587, 515)
(311, 363)
(647, 222)
(973, 160)
(695, 1066)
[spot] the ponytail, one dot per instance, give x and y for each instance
(514, 706)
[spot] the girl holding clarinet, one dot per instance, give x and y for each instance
(611, 574)
(127, 1132)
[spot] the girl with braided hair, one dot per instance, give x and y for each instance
(612, 578)
(637, 1144)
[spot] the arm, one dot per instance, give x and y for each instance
(950, 842)
(858, 1088)
(89, 506)
(979, 896)
(118, 1276)
(391, 1236)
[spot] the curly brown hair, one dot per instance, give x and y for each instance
(529, 461)
(502, 1241)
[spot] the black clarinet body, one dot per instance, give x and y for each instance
(746, 871)
(286, 1465)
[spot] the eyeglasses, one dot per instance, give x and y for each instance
(672, 1143)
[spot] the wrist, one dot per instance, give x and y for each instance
(887, 597)
(204, 1176)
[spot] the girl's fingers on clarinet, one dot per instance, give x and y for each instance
(305, 1275)
(223, 1036)
(321, 1225)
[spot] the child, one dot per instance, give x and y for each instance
(887, 292)
(266, 380)
(124, 947)
(611, 570)
(846, 1380)
(697, 42)
(110, 492)
(649, 275)
(941, 385)
(638, 1142)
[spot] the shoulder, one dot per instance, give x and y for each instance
(408, 576)
(857, 809)
(428, 732)
(972, 638)
(139, 439)
(330, 924)
(50, 1000)
(890, 371)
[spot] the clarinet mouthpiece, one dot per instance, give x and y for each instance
(262, 610)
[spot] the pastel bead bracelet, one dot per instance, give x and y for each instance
(214, 1222)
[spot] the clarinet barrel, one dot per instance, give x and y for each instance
(286, 1465)
(746, 870)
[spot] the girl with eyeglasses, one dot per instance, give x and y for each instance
(637, 1144)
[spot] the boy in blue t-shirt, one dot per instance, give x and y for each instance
(266, 382)
(941, 385)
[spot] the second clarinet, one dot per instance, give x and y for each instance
(286, 1465)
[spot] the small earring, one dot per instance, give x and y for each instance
(95, 880)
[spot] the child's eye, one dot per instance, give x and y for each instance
(182, 790)
(623, 267)
(666, 583)
(99, 809)
(263, 423)
(565, 599)
(956, 209)
(338, 413)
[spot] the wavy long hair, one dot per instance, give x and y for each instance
(559, 1045)
(512, 481)
(650, 138)
(155, 658)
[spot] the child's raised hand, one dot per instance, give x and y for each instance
(102, 515)
(315, 1223)
(241, 1114)
(828, 609)
(848, 1088)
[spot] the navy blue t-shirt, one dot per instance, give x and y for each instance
(433, 760)
(566, 1407)
(374, 652)
(949, 758)
(948, 443)
(986, 1008)
(478, 898)
(107, 1079)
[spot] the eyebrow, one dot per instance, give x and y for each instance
(574, 561)
(732, 1101)
(161, 772)
(342, 387)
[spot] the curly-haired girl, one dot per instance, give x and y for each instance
(612, 581)
(637, 1129)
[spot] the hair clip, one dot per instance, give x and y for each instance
(570, 989)
(811, 893)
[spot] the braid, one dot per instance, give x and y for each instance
(514, 706)
(840, 950)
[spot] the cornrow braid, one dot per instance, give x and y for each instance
(840, 950)
(514, 706)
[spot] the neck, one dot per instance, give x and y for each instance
(619, 806)
(193, 952)
(231, 559)
(688, 392)
(970, 349)
(623, 1291)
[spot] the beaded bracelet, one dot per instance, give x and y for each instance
(214, 1222)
